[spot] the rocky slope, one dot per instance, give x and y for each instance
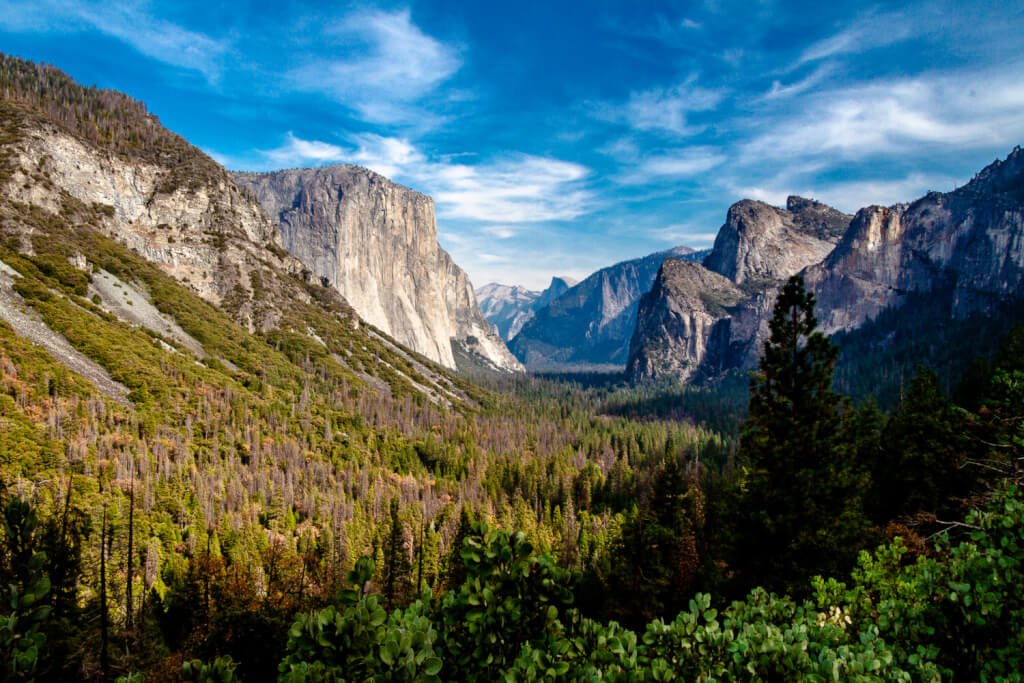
(591, 324)
(509, 307)
(963, 251)
(375, 242)
(678, 320)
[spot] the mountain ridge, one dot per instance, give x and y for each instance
(965, 247)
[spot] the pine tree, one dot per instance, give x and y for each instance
(802, 512)
(397, 579)
(925, 446)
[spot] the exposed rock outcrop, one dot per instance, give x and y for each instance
(679, 320)
(760, 243)
(591, 324)
(201, 229)
(375, 242)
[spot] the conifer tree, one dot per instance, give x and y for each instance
(802, 512)
(397, 577)
(925, 446)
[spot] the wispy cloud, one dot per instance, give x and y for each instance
(684, 234)
(131, 23)
(780, 90)
(891, 117)
(864, 34)
(501, 232)
(385, 66)
(852, 195)
(386, 155)
(663, 110)
(676, 164)
(519, 188)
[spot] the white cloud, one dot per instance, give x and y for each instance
(502, 232)
(970, 110)
(128, 22)
(386, 155)
(863, 34)
(676, 164)
(683, 234)
(387, 65)
(782, 91)
(516, 189)
(849, 196)
(662, 110)
(683, 163)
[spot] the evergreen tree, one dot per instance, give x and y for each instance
(455, 572)
(397, 581)
(802, 511)
(925, 446)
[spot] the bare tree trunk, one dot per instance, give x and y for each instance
(104, 660)
(130, 604)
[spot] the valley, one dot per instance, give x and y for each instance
(260, 426)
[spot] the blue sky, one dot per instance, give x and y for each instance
(562, 137)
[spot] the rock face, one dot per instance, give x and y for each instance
(964, 249)
(508, 308)
(375, 242)
(591, 323)
(966, 245)
(203, 230)
(679, 335)
(678, 320)
(760, 243)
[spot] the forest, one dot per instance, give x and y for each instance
(232, 534)
(290, 506)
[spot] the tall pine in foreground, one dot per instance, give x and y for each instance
(802, 513)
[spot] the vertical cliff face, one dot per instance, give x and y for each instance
(679, 320)
(964, 250)
(966, 245)
(375, 242)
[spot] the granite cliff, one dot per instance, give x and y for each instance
(962, 250)
(88, 175)
(375, 243)
(966, 246)
(760, 244)
(679, 319)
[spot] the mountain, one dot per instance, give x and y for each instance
(965, 247)
(939, 261)
(760, 243)
(508, 308)
(99, 194)
(591, 323)
(375, 243)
